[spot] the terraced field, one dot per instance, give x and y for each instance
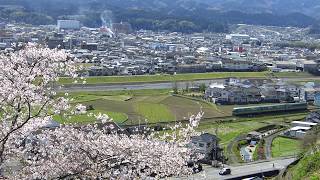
(163, 108)
(151, 105)
(85, 118)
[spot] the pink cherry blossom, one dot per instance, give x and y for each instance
(38, 150)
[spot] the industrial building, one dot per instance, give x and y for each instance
(68, 24)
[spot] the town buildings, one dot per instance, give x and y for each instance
(120, 50)
(236, 91)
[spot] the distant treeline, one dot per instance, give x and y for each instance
(21, 16)
(315, 29)
(300, 44)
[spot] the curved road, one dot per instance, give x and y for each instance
(233, 159)
(268, 144)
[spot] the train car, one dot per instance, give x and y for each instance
(269, 108)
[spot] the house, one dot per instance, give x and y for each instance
(309, 93)
(90, 46)
(236, 65)
(297, 132)
(279, 92)
(300, 128)
(224, 98)
(123, 27)
(234, 92)
(253, 95)
(269, 94)
(243, 95)
(240, 64)
(310, 66)
(313, 117)
(286, 65)
(55, 42)
(191, 68)
(283, 94)
(208, 145)
(233, 81)
(237, 96)
(51, 124)
(213, 92)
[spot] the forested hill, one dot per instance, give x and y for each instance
(171, 15)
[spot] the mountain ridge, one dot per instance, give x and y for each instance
(179, 15)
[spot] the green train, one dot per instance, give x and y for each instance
(269, 108)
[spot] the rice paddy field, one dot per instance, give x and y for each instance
(86, 118)
(152, 106)
(158, 106)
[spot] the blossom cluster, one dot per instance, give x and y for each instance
(28, 101)
(27, 95)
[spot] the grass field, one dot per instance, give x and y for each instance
(163, 78)
(143, 92)
(84, 118)
(293, 74)
(154, 112)
(182, 77)
(282, 147)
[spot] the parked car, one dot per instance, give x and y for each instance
(225, 171)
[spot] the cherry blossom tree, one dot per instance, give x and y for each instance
(27, 94)
(91, 152)
(28, 100)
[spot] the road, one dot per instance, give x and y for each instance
(239, 171)
(268, 144)
(232, 157)
(152, 85)
(134, 86)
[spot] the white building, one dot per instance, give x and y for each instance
(303, 124)
(214, 91)
(238, 37)
(68, 24)
(298, 131)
